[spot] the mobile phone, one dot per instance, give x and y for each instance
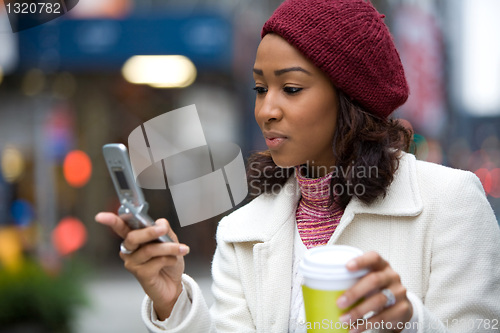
(133, 207)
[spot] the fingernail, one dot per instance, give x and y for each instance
(354, 330)
(351, 264)
(342, 302)
(183, 249)
(345, 318)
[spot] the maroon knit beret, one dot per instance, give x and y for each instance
(348, 40)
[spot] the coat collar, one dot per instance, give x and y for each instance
(260, 219)
(403, 194)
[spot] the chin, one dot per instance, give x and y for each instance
(284, 162)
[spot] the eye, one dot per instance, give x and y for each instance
(292, 90)
(260, 90)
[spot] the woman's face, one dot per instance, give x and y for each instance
(296, 105)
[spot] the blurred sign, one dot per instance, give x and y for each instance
(420, 43)
(104, 45)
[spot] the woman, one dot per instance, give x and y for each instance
(327, 77)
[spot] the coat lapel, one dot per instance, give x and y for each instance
(262, 218)
(269, 222)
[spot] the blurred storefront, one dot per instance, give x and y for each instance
(66, 93)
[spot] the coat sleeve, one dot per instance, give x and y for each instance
(197, 319)
(464, 284)
(229, 313)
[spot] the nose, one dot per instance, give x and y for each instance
(268, 108)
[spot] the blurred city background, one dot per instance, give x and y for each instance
(69, 86)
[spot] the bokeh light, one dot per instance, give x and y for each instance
(421, 146)
(172, 71)
(59, 132)
(479, 159)
(102, 9)
(458, 154)
(77, 168)
(485, 177)
(12, 164)
(22, 212)
(69, 235)
(491, 146)
(64, 85)
(491, 143)
(33, 82)
(495, 183)
(434, 152)
(10, 248)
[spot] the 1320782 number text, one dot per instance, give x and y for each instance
(33, 8)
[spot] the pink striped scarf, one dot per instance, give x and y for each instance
(316, 218)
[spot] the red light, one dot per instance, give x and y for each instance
(485, 178)
(69, 235)
(495, 183)
(77, 168)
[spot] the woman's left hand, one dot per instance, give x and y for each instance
(381, 276)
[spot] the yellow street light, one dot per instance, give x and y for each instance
(171, 71)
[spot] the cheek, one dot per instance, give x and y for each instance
(318, 128)
(319, 121)
(325, 115)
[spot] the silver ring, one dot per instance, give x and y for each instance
(391, 299)
(124, 250)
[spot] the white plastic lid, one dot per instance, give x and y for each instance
(328, 263)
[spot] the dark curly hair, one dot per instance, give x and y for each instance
(361, 141)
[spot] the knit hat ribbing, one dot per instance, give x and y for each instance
(347, 40)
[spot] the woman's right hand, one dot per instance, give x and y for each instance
(157, 266)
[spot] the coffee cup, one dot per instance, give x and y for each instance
(326, 278)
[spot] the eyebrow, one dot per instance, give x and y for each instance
(283, 71)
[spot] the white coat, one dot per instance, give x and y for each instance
(435, 227)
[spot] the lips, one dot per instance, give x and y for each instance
(274, 139)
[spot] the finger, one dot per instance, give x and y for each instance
(136, 238)
(389, 319)
(370, 260)
(374, 303)
(114, 222)
(368, 284)
(149, 251)
(170, 232)
(151, 268)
